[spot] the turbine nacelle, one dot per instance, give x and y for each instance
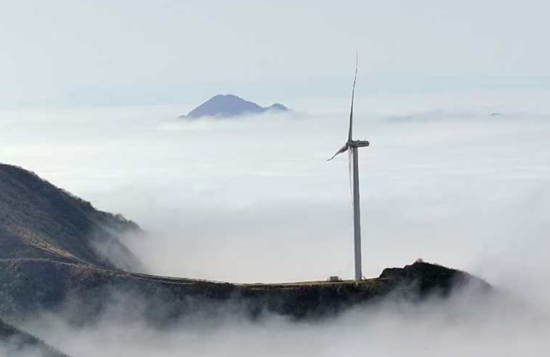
(358, 143)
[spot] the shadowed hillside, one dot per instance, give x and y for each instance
(41, 221)
(34, 285)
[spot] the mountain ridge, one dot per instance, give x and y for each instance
(39, 220)
(37, 285)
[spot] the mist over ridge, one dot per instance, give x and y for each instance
(451, 185)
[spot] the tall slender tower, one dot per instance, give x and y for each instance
(352, 146)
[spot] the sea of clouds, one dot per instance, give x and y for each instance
(462, 180)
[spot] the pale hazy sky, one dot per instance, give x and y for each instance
(69, 52)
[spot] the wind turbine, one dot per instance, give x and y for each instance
(352, 147)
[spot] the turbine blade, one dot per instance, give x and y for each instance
(343, 149)
(352, 97)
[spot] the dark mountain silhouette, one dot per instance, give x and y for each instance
(229, 106)
(48, 263)
(41, 221)
(35, 285)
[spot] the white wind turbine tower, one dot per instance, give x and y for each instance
(352, 146)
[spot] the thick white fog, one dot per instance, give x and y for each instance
(254, 200)
(465, 325)
(462, 180)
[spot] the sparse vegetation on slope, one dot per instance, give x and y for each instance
(41, 221)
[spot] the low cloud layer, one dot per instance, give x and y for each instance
(467, 324)
(253, 200)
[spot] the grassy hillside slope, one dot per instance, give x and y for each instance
(41, 221)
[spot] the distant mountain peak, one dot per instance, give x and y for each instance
(278, 106)
(230, 105)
